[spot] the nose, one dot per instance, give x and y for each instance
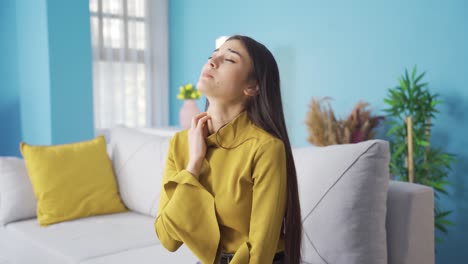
(213, 63)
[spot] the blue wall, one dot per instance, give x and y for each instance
(71, 71)
(10, 125)
(351, 51)
(34, 71)
(46, 77)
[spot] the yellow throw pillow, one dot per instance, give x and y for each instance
(72, 180)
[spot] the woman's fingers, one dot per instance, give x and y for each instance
(196, 118)
(202, 122)
(197, 145)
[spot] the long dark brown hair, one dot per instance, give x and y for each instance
(266, 111)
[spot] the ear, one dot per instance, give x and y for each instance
(252, 90)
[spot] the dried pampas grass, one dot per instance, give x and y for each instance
(325, 129)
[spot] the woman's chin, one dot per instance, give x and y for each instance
(202, 87)
(200, 84)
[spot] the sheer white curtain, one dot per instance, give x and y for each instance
(130, 63)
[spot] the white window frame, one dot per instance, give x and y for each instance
(157, 40)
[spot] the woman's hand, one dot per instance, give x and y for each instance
(197, 145)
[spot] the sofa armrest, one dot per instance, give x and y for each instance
(410, 223)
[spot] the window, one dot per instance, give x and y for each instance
(128, 89)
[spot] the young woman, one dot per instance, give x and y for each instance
(230, 188)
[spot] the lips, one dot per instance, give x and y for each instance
(207, 75)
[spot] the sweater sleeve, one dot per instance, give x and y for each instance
(268, 202)
(186, 213)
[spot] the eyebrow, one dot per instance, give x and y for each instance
(231, 50)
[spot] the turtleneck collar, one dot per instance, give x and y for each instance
(231, 134)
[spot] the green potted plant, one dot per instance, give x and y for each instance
(411, 111)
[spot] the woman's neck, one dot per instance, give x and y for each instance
(221, 115)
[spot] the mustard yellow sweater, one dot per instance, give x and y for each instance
(238, 203)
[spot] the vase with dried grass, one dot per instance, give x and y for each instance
(325, 129)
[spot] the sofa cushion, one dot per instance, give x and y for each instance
(17, 199)
(86, 238)
(343, 192)
(72, 180)
(147, 255)
(16, 249)
(138, 159)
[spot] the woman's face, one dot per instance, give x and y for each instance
(225, 76)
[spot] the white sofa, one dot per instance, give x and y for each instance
(352, 212)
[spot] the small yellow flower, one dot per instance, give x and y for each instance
(188, 91)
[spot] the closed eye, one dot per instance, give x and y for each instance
(231, 61)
